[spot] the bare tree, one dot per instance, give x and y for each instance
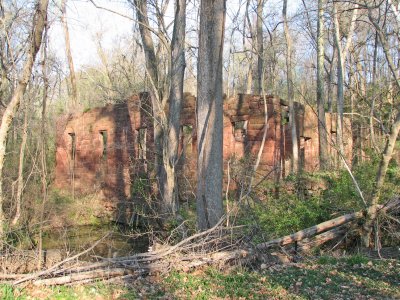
(290, 87)
(390, 141)
(260, 46)
(72, 77)
(341, 58)
(171, 139)
(20, 179)
(35, 40)
(322, 131)
(153, 75)
(166, 89)
(210, 113)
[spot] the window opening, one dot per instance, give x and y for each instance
(73, 145)
(142, 143)
(240, 130)
(187, 142)
(104, 139)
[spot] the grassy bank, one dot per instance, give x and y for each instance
(354, 277)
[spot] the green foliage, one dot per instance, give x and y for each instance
(287, 214)
(356, 259)
(86, 109)
(139, 187)
(7, 292)
(327, 260)
(59, 198)
(342, 194)
(294, 207)
(312, 280)
(213, 284)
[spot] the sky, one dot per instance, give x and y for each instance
(85, 22)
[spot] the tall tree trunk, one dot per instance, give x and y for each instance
(35, 40)
(380, 179)
(43, 152)
(210, 113)
(290, 86)
(249, 52)
(374, 95)
(331, 80)
(169, 190)
(340, 88)
(20, 179)
(3, 70)
(322, 130)
(155, 91)
(72, 78)
(260, 46)
(342, 52)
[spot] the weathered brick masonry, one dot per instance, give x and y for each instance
(106, 149)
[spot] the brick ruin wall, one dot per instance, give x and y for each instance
(106, 149)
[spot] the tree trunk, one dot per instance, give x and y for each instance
(74, 90)
(340, 89)
(260, 47)
(43, 152)
(342, 52)
(35, 40)
(380, 179)
(210, 113)
(3, 69)
(330, 81)
(290, 87)
(20, 179)
(322, 130)
(170, 192)
(155, 91)
(390, 143)
(374, 94)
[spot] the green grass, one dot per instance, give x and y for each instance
(354, 277)
(346, 278)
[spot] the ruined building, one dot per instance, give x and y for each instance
(106, 149)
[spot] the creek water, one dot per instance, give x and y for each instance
(119, 242)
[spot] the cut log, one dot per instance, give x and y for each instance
(96, 274)
(325, 226)
(311, 231)
(322, 238)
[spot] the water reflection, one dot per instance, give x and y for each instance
(120, 242)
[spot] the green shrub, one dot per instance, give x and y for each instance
(6, 292)
(327, 260)
(357, 259)
(342, 194)
(288, 214)
(59, 198)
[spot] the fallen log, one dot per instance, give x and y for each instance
(95, 274)
(325, 226)
(311, 231)
(322, 238)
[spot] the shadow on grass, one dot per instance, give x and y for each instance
(379, 280)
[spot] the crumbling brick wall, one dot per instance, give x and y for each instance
(100, 150)
(106, 149)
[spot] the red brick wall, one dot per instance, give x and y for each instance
(92, 170)
(113, 173)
